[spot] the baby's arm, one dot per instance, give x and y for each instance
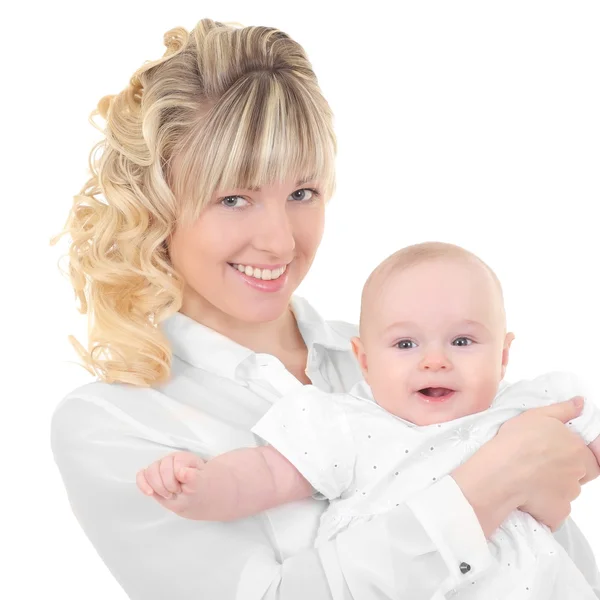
(310, 449)
(231, 486)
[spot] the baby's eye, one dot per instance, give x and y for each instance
(232, 201)
(462, 341)
(405, 344)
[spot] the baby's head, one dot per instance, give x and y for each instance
(432, 319)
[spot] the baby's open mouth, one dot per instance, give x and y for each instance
(435, 392)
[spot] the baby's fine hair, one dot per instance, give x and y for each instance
(238, 107)
(414, 255)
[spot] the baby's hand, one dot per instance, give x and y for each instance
(595, 448)
(171, 481)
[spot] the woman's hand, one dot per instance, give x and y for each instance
(553, 461)
(535, 464)
(595, 448)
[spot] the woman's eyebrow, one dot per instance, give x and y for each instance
(298, 183)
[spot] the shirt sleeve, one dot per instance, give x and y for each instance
(154, 554)
(309, 427)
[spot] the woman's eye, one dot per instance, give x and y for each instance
(233, 202)
(303, 194)
(405, 344)
(462, 341)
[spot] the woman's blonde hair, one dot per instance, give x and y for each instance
(236, 107)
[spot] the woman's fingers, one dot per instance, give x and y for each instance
(563, 411)
(551, 460)
(561, 512)
(563, 507)
(592, 468)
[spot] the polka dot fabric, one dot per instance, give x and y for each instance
(366, 461)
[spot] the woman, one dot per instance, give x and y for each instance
(217, 163)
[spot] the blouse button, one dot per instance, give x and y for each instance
(464, 567)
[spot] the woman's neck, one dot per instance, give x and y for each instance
(279, 337)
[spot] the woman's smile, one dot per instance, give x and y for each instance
(264, 272)
(264, 280)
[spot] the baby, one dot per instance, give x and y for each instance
(433, 349)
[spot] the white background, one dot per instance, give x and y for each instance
(474, 123)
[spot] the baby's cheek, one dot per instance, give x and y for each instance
(388, 382)
(392, 399)
(484, 392)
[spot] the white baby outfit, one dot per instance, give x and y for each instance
(367, 461)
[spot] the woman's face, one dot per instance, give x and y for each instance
(248, 251)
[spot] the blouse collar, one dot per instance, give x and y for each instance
(211, 351)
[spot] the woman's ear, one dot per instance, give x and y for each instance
(508, 340)
(361, 357)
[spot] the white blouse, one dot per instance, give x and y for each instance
(102, 434)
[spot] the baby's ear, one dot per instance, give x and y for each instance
(361, 357)
(508, 340)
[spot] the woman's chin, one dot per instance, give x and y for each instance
(260, 301)
(263, 310)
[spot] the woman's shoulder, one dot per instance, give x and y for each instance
(89, 404)
(111, 411)
(188, 412)
(110, 397)
(127, 401)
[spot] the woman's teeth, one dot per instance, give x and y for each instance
(264, 274)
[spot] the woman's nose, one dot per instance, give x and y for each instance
(275, 233)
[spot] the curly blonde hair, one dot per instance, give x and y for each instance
(238, 107)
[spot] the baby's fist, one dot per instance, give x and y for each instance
(170, 475)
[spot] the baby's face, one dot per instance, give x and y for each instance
(433, 346)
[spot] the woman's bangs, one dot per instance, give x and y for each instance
(267, 129)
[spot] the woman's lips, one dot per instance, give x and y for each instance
(263, 285)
